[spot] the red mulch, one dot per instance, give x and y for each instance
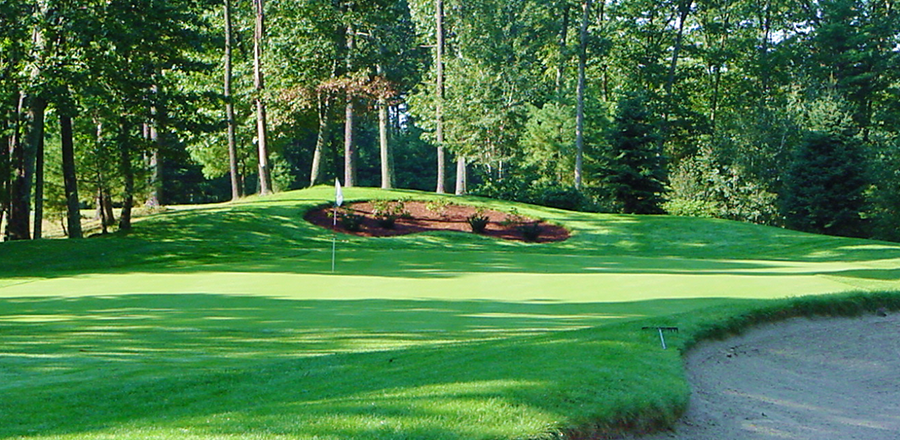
(421, 219)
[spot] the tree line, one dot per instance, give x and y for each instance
(780, 112)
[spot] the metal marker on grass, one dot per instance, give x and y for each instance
(662, 339)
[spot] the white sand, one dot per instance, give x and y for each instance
(821, 379)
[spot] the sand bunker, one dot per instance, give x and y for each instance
(822, 378)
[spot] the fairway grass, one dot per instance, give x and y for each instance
(227, 322)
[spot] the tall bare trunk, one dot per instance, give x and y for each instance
(23, 157)
(439, 104)
(70, 180)
(156, 128)
(461, 175)
(387, 174)
(684, 8)
(259, 84)
(229, 109)
(323, 106)
(5, 174)
(763, 61)
(127, 171)
(579, 106)
(349, 148)
(104, 202)
(563, 41)
(39, 188)
(101, 213)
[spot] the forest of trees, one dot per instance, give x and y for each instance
(780, 112)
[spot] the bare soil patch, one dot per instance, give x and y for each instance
(804, 379)
(452, 217)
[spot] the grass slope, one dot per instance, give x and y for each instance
(226, 322)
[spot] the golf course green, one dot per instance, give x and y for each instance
(227, 322)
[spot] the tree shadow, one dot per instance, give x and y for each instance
(250, 365)
(275, 238)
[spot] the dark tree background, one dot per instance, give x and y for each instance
(122, 104)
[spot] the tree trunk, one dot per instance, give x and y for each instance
(23, 156)
(127, 171)
(323, 107)
(5, 176)
(387, 174)
(439, 102)
(261, 127)
(101, 213)
(579, 106)
(717, 75)
(157, 125)
(563, 59)
(349, 150)
(684, 8)
(39, 189)
(766, 31)
(73, 206)
(236, 192)
(461, 175)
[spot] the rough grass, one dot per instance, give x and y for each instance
(226, 322)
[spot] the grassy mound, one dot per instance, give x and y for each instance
(227, 322)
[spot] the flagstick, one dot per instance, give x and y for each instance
(338, 201)
(333, 237)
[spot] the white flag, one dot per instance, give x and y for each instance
(338, 195)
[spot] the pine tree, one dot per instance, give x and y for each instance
(633, 166)
(825, 183)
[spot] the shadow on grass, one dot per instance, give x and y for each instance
(273, 237)
(220, 365)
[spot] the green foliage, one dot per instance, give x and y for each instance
(548, 143)
(388, 211)
(884, 195)
(691, 208)
(537, 191)
(350, 221)
(531, 231)
(825, 183)
(478, 221)
(438, 206)
(632, 166)
(702, 187)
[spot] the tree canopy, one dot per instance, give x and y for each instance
(534, 100)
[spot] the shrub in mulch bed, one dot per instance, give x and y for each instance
(410, 217)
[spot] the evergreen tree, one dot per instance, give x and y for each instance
(633, 170)
(825, 183)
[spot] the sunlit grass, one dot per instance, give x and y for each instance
(227, 322)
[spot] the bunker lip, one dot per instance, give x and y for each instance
(450, 218)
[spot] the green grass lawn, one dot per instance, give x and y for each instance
(227, 322)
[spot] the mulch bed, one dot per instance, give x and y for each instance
(421, 219)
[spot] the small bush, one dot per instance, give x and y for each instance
(562, 197)
(478, 221)
(513, 218)
(350, 221)
(438, 206)
(531, 231)
(690, 208)
(387, 212)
